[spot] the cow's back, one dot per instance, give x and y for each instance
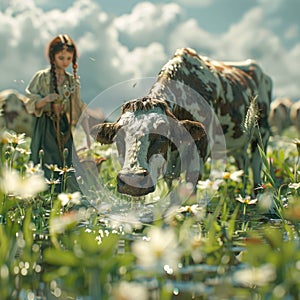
(228, 87)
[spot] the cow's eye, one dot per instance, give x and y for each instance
(163, 138)
(158, 139)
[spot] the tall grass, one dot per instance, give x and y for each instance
(54, 247)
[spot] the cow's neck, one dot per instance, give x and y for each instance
(169, 91)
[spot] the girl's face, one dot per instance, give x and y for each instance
(63, 59)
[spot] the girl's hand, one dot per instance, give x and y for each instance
(51, 97)
(48, 99)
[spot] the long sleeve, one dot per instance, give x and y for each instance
(37, 89)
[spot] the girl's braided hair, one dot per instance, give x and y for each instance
(59, 43)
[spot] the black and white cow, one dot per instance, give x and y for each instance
(191, 95)
(14, 115)
(279, 118)
(295, 115)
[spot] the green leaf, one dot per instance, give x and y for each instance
(28, 236)
(60, 257)
(109, 244)
(4, 244)
(269, 172)
(88, 242)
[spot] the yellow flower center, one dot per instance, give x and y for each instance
(226, 175)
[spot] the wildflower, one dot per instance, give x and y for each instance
(73, 198)
(24, 187)
(255, 276)
(209, 184)
(23, 151)
(61, 223)
(235, 176)
(16, 139)
(130, 291)
(33, 169)
(64, 170)
(172, 216)
(226, 175)
(294, 185)
(193, 245)
(194, 210)
(246, 200)
(52, 181)
(51, 167)
(159, 251)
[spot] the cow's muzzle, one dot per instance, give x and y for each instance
(135, 183)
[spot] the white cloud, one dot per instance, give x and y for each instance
(189, 34)
(117, 48)
(195, 3)
(148, 23)
(250, 38)
(136, 64)
(271, 5)
(292, 32)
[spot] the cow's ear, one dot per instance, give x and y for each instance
(104, 133)
(196, 129)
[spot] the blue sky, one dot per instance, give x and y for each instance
(122, 40)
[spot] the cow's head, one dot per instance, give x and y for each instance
(145, 134)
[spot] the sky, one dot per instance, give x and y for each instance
(125, 40)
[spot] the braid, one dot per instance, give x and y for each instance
(74, 62)
(75, 66)
(53, 75)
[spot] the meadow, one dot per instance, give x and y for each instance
(221, 243)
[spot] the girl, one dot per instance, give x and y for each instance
(53, 96)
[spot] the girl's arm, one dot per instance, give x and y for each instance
(44, 101)
(38, 98)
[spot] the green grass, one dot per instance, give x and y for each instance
(226, 249)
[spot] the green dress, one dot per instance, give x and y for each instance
(53, 134)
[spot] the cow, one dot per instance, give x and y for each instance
(14, 115)
(175, 114)
(279, 118)
(295, 115)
